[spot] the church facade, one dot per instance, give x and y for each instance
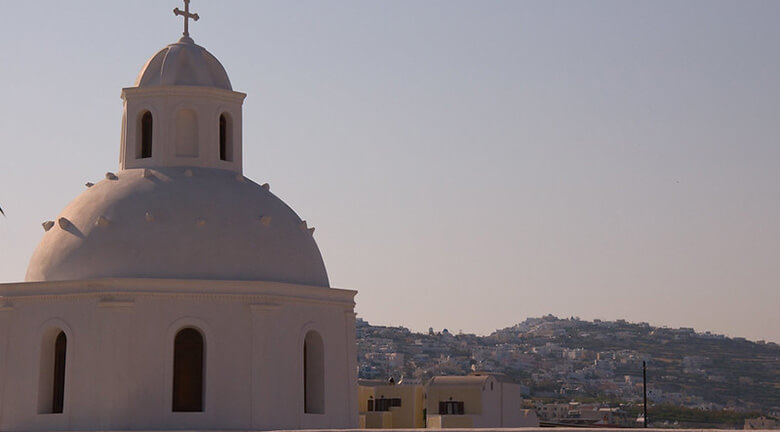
(177, 293)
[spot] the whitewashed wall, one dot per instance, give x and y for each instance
(119, 360)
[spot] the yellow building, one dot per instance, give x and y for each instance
(473, 401)
(476, 401)
(387, 405)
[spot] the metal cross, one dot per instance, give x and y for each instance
(187, 15)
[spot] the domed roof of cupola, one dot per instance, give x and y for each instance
(183, 63)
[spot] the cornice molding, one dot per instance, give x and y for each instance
(183, 91)
(115, 292)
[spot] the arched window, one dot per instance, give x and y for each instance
(145, 135)
(58, 389)
(188, 371)
(313, 374)
(51, 385)
(225, 137)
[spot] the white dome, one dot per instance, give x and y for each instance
(183, 223)
(186, 64)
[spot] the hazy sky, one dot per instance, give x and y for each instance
(467, 164)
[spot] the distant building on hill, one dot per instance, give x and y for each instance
(576, 414)
(762, 423)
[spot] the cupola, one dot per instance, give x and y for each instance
(182, 111)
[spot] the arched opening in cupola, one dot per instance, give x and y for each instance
(225, 137)
(313, 374)
(51, 380)
(188, 371)
(144, 147)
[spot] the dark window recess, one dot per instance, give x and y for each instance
(451, 408)
(305, 375)
(370, 405)
(313, 374)
(223, 150)
(188, 371)
(146, 135)
(58, 392)
(385, 404)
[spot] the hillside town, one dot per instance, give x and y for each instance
(573, 371)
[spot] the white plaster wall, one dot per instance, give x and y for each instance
(120, 354)
(512, 402)
(4, 331)
(491, 405)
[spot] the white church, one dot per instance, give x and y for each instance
(177, 293)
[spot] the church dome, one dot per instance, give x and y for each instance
(183, 64)
(178, 222)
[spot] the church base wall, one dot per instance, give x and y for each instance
(119, 360)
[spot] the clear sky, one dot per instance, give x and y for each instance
(467, 164)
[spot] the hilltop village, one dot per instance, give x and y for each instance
(558, 362)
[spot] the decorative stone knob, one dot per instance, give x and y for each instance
(63, 223)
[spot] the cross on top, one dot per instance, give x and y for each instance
(187, 15)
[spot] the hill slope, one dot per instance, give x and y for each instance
(586, 360)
